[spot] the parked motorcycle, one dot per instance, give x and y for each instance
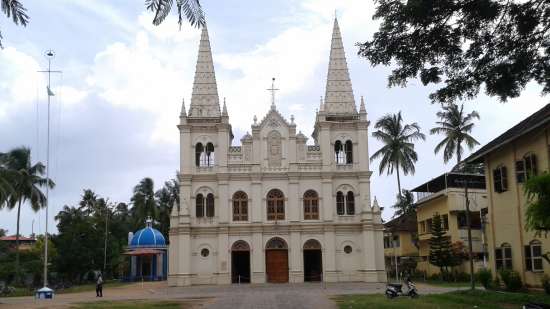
(396, 289)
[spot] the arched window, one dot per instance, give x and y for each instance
(311, 205)
(350, 203)
(209, 154)
(240, 206)
(199, 206)
(210, 205)
(340, 206)
(503, 257)
(533, 256)
(349, 152)
(199, 150)
(339, 154)
(275, 205)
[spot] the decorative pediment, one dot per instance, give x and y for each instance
(274, 120)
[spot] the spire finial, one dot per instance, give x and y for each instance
(183, 112)
(291, 119)
(321, 105)
(255, 120)
(362, 108)
(273, 89)
(224, 111)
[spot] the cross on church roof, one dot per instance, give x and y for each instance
(273, 89)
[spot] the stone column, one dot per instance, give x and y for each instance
(257, 257)
(293, 206)
(223, 257)
(330, 274)
(296, 270)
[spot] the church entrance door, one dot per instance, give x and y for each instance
(313, 261)
(276, 261)
(240, 262)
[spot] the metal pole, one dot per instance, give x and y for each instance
(49, 54)
(106, 235)
(468, 223)
(395, 255)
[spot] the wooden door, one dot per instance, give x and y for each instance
(276, 266)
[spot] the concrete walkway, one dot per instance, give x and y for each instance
(288, 296)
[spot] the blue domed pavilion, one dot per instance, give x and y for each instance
(148, 254)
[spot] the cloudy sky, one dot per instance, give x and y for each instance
(117, 101)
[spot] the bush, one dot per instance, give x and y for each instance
(546, 284)
(484, 276)
(511, 280)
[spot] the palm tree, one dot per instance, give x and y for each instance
(26, 180)
(190, 8)
(398, 150)
(16, 11)
(405, 204)
(456, 126)
(144, 203)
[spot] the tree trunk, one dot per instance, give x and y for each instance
(458, 153)
(17, 244)
(398, 181)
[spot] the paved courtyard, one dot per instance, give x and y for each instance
(258, 296)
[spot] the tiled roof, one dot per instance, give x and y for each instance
(406, 223)
(12, 238)
(530, 123)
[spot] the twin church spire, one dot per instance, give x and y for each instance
(338, 99)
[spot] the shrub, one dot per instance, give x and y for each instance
(484, 276)
(511, 280)
(546, 284)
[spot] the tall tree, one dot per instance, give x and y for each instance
(16, 11)
(456, 126)
(405, 204)
(441, 254)
(144, 202)
(398, 150)
(537, 191)
(500, 44)
(167, 197)
(191, 10)
(26, 182)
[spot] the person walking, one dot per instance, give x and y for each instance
(99, 286)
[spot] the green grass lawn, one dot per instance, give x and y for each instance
(453, 300)
(131, 305)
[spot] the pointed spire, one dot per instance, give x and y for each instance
(321, 105)
(183, 113)
(362, 108)
(204, 99)
(224, 111)
(375, 206)
(339, 93)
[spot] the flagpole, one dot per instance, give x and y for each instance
(49, 55)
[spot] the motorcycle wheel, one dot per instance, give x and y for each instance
(389, 295)
(414, 295)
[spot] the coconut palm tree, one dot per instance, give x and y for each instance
(144, 202)
(26, 181)
(456, 126)
(190, 9)
(16, 11)
(404, 204)
(398, 150)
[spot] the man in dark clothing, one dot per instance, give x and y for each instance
(99, 286)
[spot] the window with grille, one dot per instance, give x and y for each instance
(503, 257)
(526, 167)
(275, 205)
(311, 205)
(240, 206)
(500, 179)
(533, 256)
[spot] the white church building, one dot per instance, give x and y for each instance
(276, 208)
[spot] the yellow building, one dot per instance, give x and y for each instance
(400, 241)
(445, 195)
(509, 159)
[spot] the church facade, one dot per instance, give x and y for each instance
(276, 208)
